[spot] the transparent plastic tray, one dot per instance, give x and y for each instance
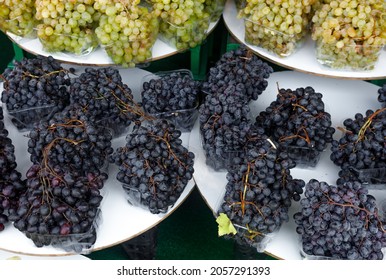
(304, 157)
(183, 119)
(373, 178)
(19, 26)
(26, 119)
(347, 57)
(184, 36)
(223, 162)
(274, 41)
(74, 243)
(137, 199)
(80, 45)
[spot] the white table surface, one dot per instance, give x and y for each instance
(120, 220)
(343, 98)
(304, 58)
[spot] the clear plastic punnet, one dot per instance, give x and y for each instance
(185, 35)
(80, 243)
(184, 118)
(79, 44)
(356, 57)
(274, 41)
(26, 119)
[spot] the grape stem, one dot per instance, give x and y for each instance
(368, 213)
(367, 124)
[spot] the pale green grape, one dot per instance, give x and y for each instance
(184, 23)
(277, 26)
(67, 26)
(349, 34)
(17, 17)
(214, 8)
(126, 31)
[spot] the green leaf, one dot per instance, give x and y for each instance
(225, 225)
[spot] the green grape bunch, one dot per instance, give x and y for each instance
(183, 23)
(350, 33)
(17, 17)
(278, 26)
(67, 26)
(127, 31)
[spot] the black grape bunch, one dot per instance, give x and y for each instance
(382, 95)
(238, 78)
(259, 193)
(61, 206)
(297, 120)
(154, 166)
(340, 222)
(34, 89)
(101, 94)
(360, 152)
(11, 183)
(240, 68)
(173, 96)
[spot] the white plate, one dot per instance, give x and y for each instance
(343, 98)
(13, 256)
(99, 56)
(120, 220)
(304, 58)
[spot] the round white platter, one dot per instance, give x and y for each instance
(304, 58)
(120, 220)
(343, 99)
(98, 57)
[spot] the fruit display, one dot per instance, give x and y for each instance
(277, 26)
(339, 222)
(101, 94)
(154, 166)
(172, 95)
(18, 17)
(297, 120)
(360, 151)
(127, 31)
(11, 183)
(236, 79)
(34, 89)
(349, 34)
(259, 193)
(67, 26)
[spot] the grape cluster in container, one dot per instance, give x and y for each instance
(225, 120)
(340, 221)
(154, 166)
(172, 95)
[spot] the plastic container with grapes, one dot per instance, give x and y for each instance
(80, 243)
(274, 41)
(78, 44)
(23, 28)
(372, 178)
(245, 235)
(26, 119)
(306, 256)
(185, 35)
(305, 157)
(136, 198)
(183, 119)
(355, 56)
(215, 8)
